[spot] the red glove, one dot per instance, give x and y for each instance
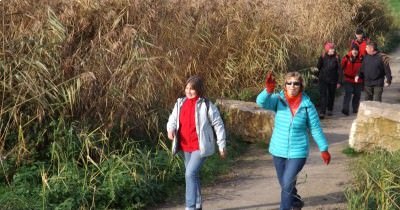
(326, 157)
(270, 82)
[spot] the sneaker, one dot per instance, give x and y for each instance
(329, 113)
(345, 112)
(297, 204)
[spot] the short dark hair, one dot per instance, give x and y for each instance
(373, 44)
(197, 84)
(359, 31)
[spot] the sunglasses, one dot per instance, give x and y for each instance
(293, 83)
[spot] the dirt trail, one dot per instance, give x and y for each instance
(252, 183)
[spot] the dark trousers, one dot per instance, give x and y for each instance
(327, 96)
(373, 93)
(352, 92)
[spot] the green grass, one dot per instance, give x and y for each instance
(350, 152)
(395, 7)
(391, 40)
(376, 181)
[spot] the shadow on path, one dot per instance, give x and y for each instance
(315, 201)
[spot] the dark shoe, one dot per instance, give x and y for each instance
(329, 113)
(297, 204)
(345, 112)
(355, 111)
(321, 116)
(198, 208)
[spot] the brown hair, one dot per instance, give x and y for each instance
(297, 76)
(197, 84)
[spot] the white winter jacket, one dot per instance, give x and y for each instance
(204, 125)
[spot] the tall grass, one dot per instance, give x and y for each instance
(86, 86)
(395, 8)
(76, 171)
(376, 183)
(120, 64)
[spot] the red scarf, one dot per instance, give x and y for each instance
(294, 102)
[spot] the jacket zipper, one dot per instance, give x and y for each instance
(290, 128)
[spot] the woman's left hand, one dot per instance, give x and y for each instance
(326, 157)
(222, 154)
(171, 135)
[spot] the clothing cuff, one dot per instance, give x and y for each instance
(322, 149)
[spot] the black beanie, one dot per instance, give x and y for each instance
(355, 47)
(359, 31)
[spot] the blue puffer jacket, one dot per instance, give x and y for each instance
(290, 135)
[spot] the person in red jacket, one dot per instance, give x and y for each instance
(351, 64)
(361, 41)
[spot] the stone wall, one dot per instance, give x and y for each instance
(377, 126)
(247, 120)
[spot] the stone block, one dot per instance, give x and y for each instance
(247, 120)
(377, 126)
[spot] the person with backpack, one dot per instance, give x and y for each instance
(351, 64)
(361, 41)
(329, 78)
(193, 122)
(295, 115)
(374, 68)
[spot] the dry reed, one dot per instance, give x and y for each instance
(119, 65)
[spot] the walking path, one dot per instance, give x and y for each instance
(252, 183)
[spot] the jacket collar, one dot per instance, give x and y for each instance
(305, 101)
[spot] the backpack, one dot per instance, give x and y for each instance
(207, 102)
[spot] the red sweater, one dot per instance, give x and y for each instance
(189, 141)
(351, 66)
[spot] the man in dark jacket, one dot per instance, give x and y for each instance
(374, 68)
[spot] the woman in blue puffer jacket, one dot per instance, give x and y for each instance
(295, 117)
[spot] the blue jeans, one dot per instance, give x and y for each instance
(287, 170)
(193, 163)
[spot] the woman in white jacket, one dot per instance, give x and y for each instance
(194, 120)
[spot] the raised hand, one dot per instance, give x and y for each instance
(270, 82)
